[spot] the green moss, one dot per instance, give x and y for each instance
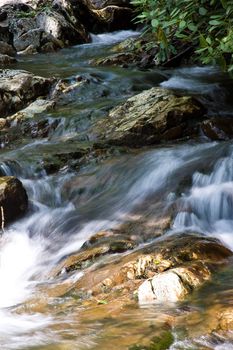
(157, 343)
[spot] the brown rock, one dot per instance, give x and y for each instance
(13, 199)
(218, 128)
(189, 259)
(6, 60)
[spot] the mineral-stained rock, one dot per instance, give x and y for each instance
(175, 266)
(150, 117)
(13, 199)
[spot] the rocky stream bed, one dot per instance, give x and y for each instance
(116, 190)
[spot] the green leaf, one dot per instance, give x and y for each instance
(192, 27)
(155, 23)
(215, 22)
(202, 11)
(182, 24)
(203, 42)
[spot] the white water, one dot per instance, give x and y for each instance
(208, 206)
(114, 37)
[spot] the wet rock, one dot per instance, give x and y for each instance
(13, 199)
(35, 108)
(177, 265)
(122, 59)
(6, 49)
(113, 18)
(163, 342)
(18, 88)
(100, 4)
(218, 128)
(3, 123)
(100, 16)
(6, 60)
(94, 249)
(173, 285)
(150, 117)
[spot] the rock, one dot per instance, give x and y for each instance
(122, 60)
(3, 123)
(35, 108)
(100, 4)
(150, 117)
(162, 342)
(218, 128)
(99, 16)
(6, 60)
(13, 199)
(164, 287)
(173, 285)
(95, 248)
(62, 30)
(6, 49)
(177, 265)
(18, 88)
(40, 28)
(113, 18)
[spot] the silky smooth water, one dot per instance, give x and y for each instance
(197, 176)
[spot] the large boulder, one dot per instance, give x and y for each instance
(18, 88)
(150, 117)
(163, 271)
(40, 28)
(98, 16)
(13, 200)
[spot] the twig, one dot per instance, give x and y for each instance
(2, 218)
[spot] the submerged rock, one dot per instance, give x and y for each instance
(13, 199)
(150, 117)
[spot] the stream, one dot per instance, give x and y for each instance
(197, 173)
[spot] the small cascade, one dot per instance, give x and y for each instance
(208, 206)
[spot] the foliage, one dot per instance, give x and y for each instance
(205, 24)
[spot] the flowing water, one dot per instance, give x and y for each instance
(197, 175)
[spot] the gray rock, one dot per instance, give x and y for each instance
(164, 287)
(150, 117)
(18, 88)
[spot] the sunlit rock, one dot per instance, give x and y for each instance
(174, 266)
(150, 117)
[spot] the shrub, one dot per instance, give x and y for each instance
(205, 24)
